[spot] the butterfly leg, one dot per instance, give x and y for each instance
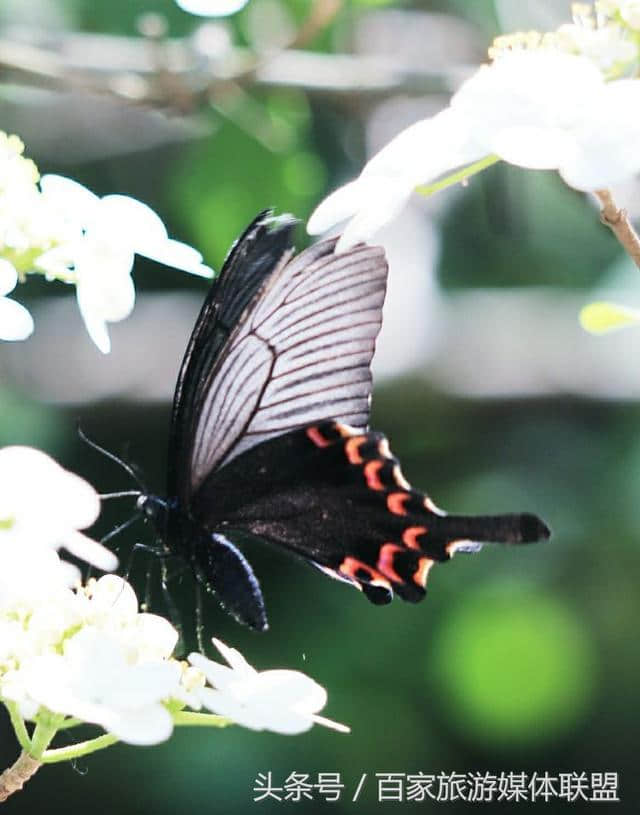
(113, 533)
(174, 614)
(199, 618)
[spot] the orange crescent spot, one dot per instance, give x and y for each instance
(422, 572)
(411, 534)
(385, 561)
(372, 474)
(317, 438)
(352, 449)
(396, 502)
(350, 567)
(400, 480)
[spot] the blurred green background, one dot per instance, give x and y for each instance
(518, 660)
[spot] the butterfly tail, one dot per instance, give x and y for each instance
(511, 528)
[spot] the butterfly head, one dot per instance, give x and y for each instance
(152, 509)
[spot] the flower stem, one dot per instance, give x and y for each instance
(617, 220)
(67, 723)
(188, 717)
(19, 726)
(42, 737)
(460, 175)
(82, 748)
(15, 777)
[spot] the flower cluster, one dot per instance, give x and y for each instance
(73, 654)
(56, 227)
(543, 103)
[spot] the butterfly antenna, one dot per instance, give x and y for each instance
(117, 460)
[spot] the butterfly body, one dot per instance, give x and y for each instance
(269, 437)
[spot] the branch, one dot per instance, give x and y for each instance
(617, 220)
(126, 68)
(15, 777)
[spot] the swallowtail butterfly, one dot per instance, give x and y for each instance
(269, 433)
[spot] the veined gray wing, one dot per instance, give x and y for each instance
(300, 354)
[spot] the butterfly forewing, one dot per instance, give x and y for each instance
(252, 258)
(299, 353)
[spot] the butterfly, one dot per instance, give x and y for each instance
(269, 435)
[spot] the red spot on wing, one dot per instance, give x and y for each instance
(355, 569)
(352, 449)
(372, 474)
(411, 534)
(385, 561)
(317, 438)
(422, 572)
(396, 502)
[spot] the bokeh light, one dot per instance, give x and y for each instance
(513, 665)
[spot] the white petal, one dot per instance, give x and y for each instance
(608, 139)
(145, 726)
(381, 208)
(91, 551)
(130, 221)
(145, 684)
(226, 705)
(234, 658)
(97, 329)
(69, 196)
(428, 148)
(177, 254)
(212, 8)
(537, 148)
(255, 717)
(101, 300)
(8, 277)
(15, 321)
(77, 501)
(283, 688)
(420, 154)
(340, 205)
(218, 675)
(157, 637)
(113, 595)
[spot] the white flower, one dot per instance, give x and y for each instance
(99, 259)
(15, 321)
(540, 109)
(608, 46)
(282, 701)
(91, 655)
(44, 505)
(64, 231)
(112, 606)
(27, 226)
(92, 680)
(212, 8)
